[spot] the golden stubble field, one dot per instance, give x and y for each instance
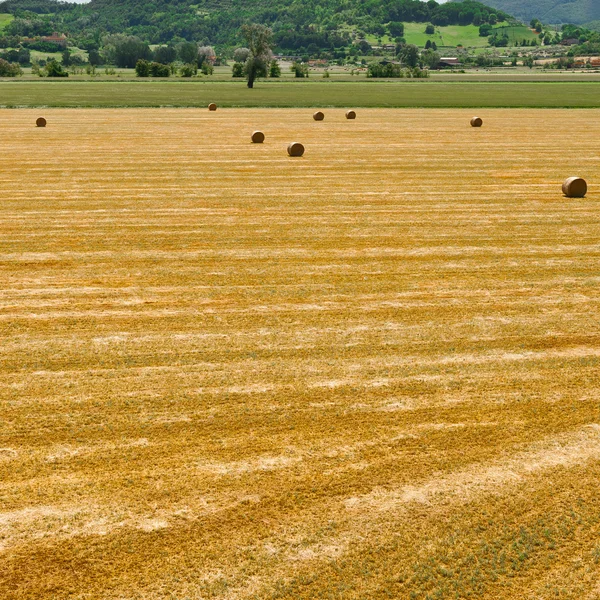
(372, 372)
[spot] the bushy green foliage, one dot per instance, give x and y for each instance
(159, 70)
(274, 69)
(188, 52)
(40, 46)
(142, 68)
(165, 54)
(385, 70)
(259, 40)
(9, 69)
(395, 70)
(299, 69)
(188, 70)
(20, 55)
(396, 29)
(54, 69)
(498, 40)
(237, 70)
(409, 55)
(125, 51)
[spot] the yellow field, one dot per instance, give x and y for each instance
(372, 372)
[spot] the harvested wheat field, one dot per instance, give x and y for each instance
(370, 372)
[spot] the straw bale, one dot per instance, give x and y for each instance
(574, 187)
(295, 149)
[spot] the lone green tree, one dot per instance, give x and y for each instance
(259, 39)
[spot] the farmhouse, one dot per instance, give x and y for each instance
(56, 38)
(450, 61)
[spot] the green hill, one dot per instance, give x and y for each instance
(551, 11)
(299, 25)
(593, 25)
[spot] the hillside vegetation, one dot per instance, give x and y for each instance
(322, 24)
(551, 11)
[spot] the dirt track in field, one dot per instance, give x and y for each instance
(367, 373)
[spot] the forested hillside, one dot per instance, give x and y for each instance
(551, 11)
(296, 23)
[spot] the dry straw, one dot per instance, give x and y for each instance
(476, 122)
(295, 149)
(574, 187)
(350, 114)
(41, 122)
(318, 116)
(212, 106)
(258, 137)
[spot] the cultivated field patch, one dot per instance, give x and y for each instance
(368, 372)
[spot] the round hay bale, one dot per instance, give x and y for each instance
(258, 137)
(212, 106)
(476, 122)
(41, 122)
(350, 114)
(574, 187)
(318, 116)
(295, 149)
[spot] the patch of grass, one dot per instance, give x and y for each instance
(451, 35)
(5, 19)
(392, 94)
(465, 35)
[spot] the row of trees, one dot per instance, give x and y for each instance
(125, 51)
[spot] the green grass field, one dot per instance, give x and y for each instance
(452, 35)
(464, 35)
(397, 94)
(5, 19)
(517, 33)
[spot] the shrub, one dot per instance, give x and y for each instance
(188, 70)
(274, 69)
(299, 69)
(396, 29)
(430, 29)
(237, 70)
(159, 70)
(142, 68)
(384, 70)
(53, 69)
(207, 68)
(8, 69)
